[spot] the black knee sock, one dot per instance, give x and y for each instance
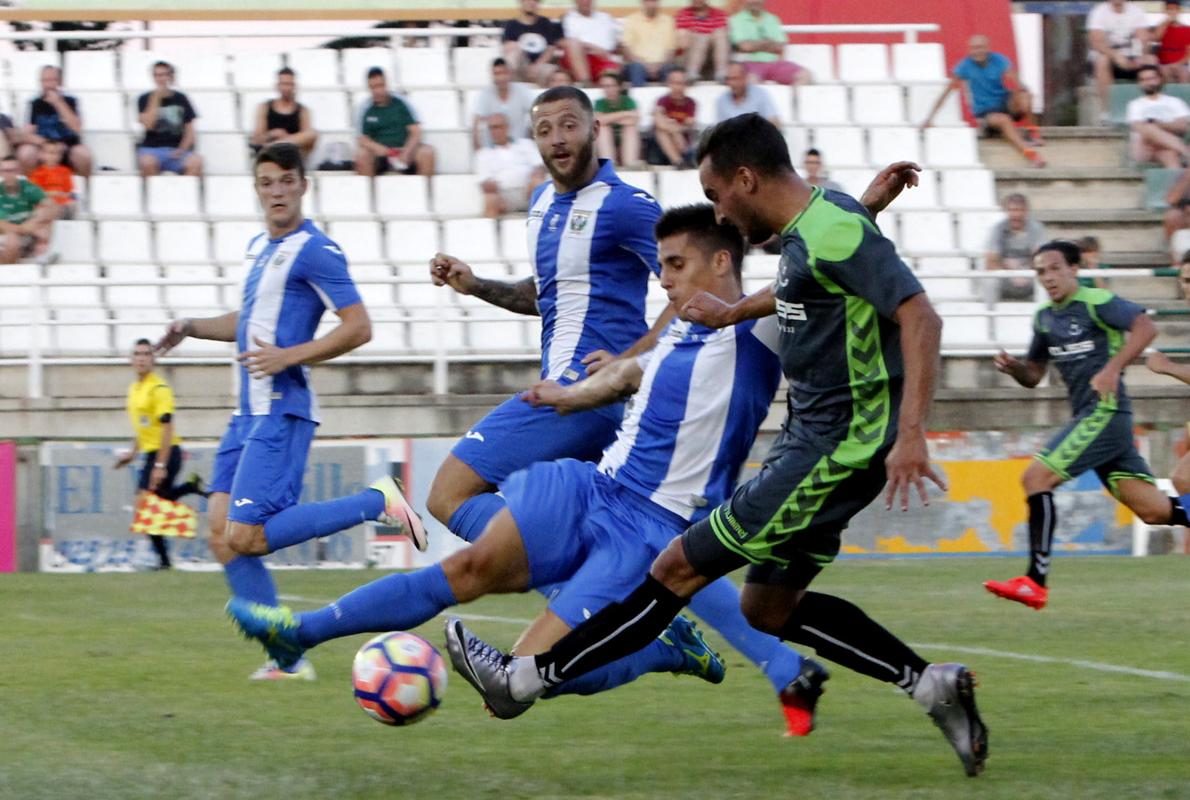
(618, 630)
(1042, 519)
(842, 632)
(1177, 514)
(158, 543)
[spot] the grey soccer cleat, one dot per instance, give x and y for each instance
(947, 691)
(485, 668)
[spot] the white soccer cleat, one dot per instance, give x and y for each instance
(398, 513)
(303, 670)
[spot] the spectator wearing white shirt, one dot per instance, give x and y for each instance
(508, 170)
(1118, 32)
(1158, 122)
(513, 100)
(590, 42)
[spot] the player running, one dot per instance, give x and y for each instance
(1091, 335)
(292, 273)
(700, 396)
(859, 344)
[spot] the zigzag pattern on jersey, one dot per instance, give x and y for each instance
(795, 514)
(1077, 441)
(869, 377)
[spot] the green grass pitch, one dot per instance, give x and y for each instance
(134, 686)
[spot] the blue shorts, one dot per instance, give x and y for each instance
(582, 528)
(166, 158)
(514, 435)
(260, 462)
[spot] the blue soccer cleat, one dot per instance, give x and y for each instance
(700, 659)
(272, 626)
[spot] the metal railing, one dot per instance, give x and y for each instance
(909, 29)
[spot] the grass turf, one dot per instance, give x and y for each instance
(134, 685)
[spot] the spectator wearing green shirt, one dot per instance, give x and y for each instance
(26, 215)
(759, 43)
(389, 134)
(619, 122)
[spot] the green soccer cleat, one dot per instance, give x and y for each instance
(699, 658)
(272, 626)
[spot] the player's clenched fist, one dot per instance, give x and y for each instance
(449, 271)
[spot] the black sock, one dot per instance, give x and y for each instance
(158, 543)
(618, 630)
(1177, 513)
(1042, 519)
(842, 632)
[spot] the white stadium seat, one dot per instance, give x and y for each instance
(89, 69)
(961, 289)
(74, 240)
(250, 101)
(82, 289)
(782, 97)
(412, 241)
(473, 65)
(818, 58)
(923, 96)
(206, 293)
(223, 153)
(678, 187)
(646, 98)
(923, 197)
(470, 239)
(197, 69)
(964, 325)
(16, 286)
(173, 196)
(182, 242)
(918, 62)
(357, 61)
(229, 196)
(436, 108)
(863, 63)
(968, 188)
(842, 146)
(822, 105)
(115, 195)
(86, 333)
(797, 139)
(926, 232)
(878, 104)
(136, 70)
(24, 68)
(853, 181)
(216, 110)
(456, 195)
(360, 241)
(402, 196)
(231, 240)
(16, 331)
(423, 66)
(973, 230)
(641, 179)
(126, 241)
(137, 323)
(951, 147)
(251, 69)
(344, 196)
(886, 145)
(112, 151)
(514, 244)
(136, 293)
(316, 68)
(705, 96)
(1015, 331)
(328, 110)
(453, 150)
(102, 111)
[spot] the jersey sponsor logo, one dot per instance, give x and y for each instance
(476, 435)
(1075, 329)
(554, 222)
(278, 261)
(579, 220)
(1072, 350)
(644, 196)
(788, 313)
(333, 249)
(243, 501)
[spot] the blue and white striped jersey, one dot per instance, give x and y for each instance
(288, 283)
(592, 251)
(689, 427)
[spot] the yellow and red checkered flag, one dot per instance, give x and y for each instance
(157, 516)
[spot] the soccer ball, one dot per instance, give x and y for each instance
(399, 678)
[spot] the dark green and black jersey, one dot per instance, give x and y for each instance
(1080, 336)
(838, 284)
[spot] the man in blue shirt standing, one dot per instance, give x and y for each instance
(995, 96)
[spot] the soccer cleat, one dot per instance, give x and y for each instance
(272, 626)
(196, 484)
(1022, 589)
(699, 659)
(947, 691)
(303, 670)
(800, 698)
(398, 513)
(485, 668)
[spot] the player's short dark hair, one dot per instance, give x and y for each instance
(1143, 68)
(1070, 251)
(499, 62)
(748, 140)
(142, 341)
(1015, 197)
(285, 155)
(165, 64)
(374, 71)
(557, 94)
(699, 223)
(286, 71)
(813, 151)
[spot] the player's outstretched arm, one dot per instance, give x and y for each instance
(712, 311)
(1164, 365)
(908, 462)
(619, 379)
(598, 359)
(519, 297)
(354, 329)
(217, 329)
(888, 185)
(1026, 373)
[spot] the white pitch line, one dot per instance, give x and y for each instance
(1074, 662)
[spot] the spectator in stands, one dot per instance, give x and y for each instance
(619, 122)
(675, 127)
(1158, 122)
(1089, 247)
(26, 215)
(508, 169)
(10, 137)
(1173, 46)
(54, 117)
(1011, 244)
(511, 100)
(531, 44)
(591, 39)
(702, 29)
(744, 97)
(1118, 33)
(56, 179)
(1177, 216)
(389, 135)
(168, 118)
(813, 172)
(560, 77)
(995, 96)
(759, 43)
(649, 40)
(284, 119)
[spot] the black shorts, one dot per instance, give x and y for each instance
(1100, 439)
(173, 466)
(384, 167)
(1121, 74)
(787, 521)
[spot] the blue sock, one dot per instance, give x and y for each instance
(719, 606)
(301, 523)
(249, 579)
(472, 517)
(656, 657)
(395, 602)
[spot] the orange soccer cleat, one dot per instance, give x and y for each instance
(1022, 589)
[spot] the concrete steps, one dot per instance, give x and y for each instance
(1075, 188)
(1064, 147)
